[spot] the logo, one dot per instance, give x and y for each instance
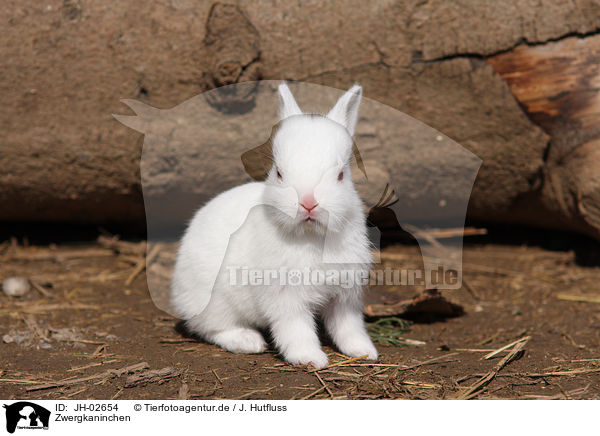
(26, 415)
(419, 182)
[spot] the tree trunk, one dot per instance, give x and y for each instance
(456, 67)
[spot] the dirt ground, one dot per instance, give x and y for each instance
(83, 333)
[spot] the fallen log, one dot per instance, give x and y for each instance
(66, 159)
(558, 86)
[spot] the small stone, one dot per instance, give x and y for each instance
(16, 337)
(16, 286)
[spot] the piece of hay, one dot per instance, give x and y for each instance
(590, 298)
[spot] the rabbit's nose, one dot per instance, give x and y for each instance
(308, 202)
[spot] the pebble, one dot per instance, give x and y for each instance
(17, 337)
(16, 286)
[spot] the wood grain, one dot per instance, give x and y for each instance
(556, 83)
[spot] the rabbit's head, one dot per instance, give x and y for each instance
(310, 184)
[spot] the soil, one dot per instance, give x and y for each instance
(89, 325)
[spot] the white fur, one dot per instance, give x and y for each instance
(262, 226)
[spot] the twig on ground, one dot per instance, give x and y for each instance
(59, 255)
(21, 381)
(430, 361)
(470, 289)
(91, 365)
(570, 394)
(142, 263)
(421, 384)
(343, 362)
(176, 340)
(258, 391)
(563, 373)
(591, 298)
(72, 394)
(281, 368)
(217, 376)
(505, 347)
(40, 308)
(313, 393)
(41, 289)
(101, 376)
(153, 376)
(398, 367)
(474, 389)
(324, 384)
(123, 247)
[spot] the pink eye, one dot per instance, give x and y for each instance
(340, 176)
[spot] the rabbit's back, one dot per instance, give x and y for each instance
(204, 245)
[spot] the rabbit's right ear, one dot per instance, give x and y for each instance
(345, 110)
(287, 104)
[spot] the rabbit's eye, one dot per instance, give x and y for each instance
(340, 176)
(279, 174)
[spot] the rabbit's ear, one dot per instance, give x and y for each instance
(345, 110)
(287, 104)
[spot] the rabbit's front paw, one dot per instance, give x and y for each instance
(359, 346)
(241, 340)
(315, 357)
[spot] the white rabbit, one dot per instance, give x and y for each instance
(305, 215)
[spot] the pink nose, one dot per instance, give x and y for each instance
(308, 202)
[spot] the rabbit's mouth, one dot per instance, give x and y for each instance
(310, 217)
(313, 224)
(309, 220)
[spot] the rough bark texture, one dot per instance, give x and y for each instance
(67, 63)
(557, 85)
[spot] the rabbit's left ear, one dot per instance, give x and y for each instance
(345, 110)
(287, 103)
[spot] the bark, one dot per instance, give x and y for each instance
(557, 86)
(66, 65)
